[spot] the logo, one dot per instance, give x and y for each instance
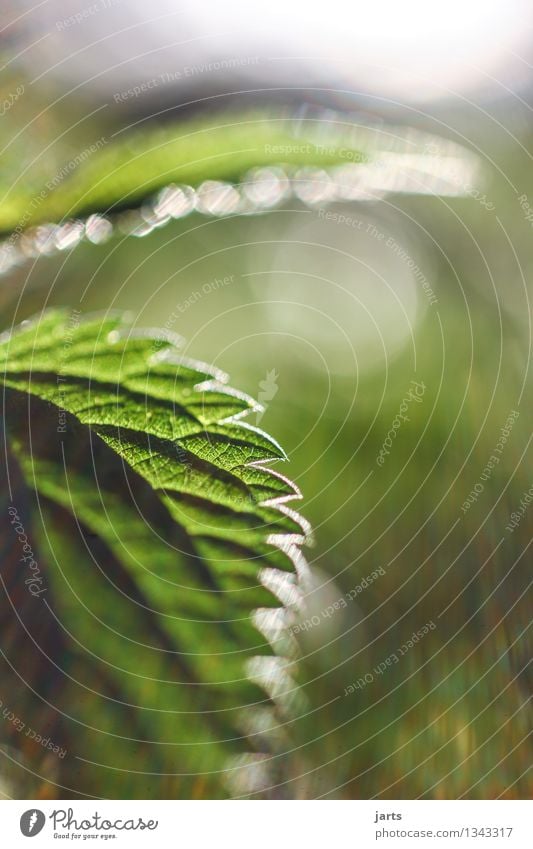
(269, 388)
(32, 822)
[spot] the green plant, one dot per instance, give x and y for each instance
(160, 545)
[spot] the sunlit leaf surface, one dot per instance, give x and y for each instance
(155, 529)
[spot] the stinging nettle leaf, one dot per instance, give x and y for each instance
(168, 558)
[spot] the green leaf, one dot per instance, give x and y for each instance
(121, 169)
(162, 543)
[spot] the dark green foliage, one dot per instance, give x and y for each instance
(158, 530)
